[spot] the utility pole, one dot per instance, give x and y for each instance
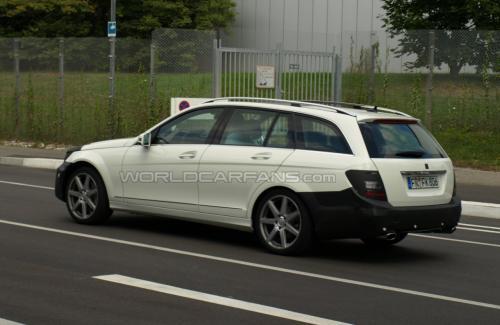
(112, 60)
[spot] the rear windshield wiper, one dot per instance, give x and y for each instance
(412, 154)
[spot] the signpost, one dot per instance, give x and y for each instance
(112, 59)
(111, 28)
(265, 76)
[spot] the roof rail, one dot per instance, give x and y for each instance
(278, 102)
(369, 108)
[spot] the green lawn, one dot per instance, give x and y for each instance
(466, 110)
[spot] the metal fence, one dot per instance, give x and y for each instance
(59, 89)
(450, 79)
(294, 75)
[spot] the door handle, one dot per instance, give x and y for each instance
(187, 155)
(262, 156)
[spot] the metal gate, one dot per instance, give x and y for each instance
(283, 74)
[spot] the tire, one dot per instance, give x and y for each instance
(384, 242)
(86, 197)
(283, 229)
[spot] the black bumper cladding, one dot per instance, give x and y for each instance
(345, 214)
(61, 175)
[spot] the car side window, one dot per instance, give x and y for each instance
(248, 127)
(282, 135)
(191, 128)
(319, 135)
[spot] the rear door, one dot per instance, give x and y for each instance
(251, 147)
(414, 168)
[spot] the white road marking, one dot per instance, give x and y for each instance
(457, 240)
(480, 230)
(273, 268)
(8, 322)
(213, 299)
(477, 226)
(27, 185)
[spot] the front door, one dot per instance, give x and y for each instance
(164, 175)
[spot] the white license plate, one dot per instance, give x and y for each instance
(422, 182)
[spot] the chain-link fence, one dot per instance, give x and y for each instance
(58, 89)
(450, 79)
(183, 62)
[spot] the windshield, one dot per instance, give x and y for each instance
(399, 139)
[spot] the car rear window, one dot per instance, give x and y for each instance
(399, 139)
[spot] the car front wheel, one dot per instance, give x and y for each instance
(86, 197)
(282, 223)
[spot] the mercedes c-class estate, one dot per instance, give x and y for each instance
(288, 171)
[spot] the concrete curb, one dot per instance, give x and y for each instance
(45, 163)
(481, 209)
(469, 208)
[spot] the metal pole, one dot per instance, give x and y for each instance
(17, 90)
(338, 79)
(215, 72)
(428, 97)
(278, 71)
(371, 86)
(152, 77)
(112, 60)
(332, 77)
(61, 85)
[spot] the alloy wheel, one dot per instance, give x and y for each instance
(82, 196)
(280, 222)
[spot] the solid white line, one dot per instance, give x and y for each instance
(269, 267)
(457, 240)
(480, 230)
(27, 185)
(8, 322)
(477, 226)
(218, 300)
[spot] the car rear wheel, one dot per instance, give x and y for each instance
(385, 240)
(282, 223)
(86, 197)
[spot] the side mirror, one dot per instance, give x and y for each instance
(145, 140)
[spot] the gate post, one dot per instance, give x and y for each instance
(337, 95)
(217, 67)
(332, 76)
(277, 91)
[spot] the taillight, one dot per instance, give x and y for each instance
(367, 184)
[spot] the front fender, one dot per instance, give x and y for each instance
(108, 163)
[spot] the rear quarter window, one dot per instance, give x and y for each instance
(318, 135)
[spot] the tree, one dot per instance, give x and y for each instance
(46, 18)
(411, 18)
(136, 18)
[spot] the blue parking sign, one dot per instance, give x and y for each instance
(111, 28)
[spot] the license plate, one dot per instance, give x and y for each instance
(422, 182)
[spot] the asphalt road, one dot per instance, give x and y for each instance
(48, 266)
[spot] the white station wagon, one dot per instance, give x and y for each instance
(288, 171)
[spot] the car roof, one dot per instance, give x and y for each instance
(359, 111)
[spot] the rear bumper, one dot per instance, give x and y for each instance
(61, 176)
(347, 215)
